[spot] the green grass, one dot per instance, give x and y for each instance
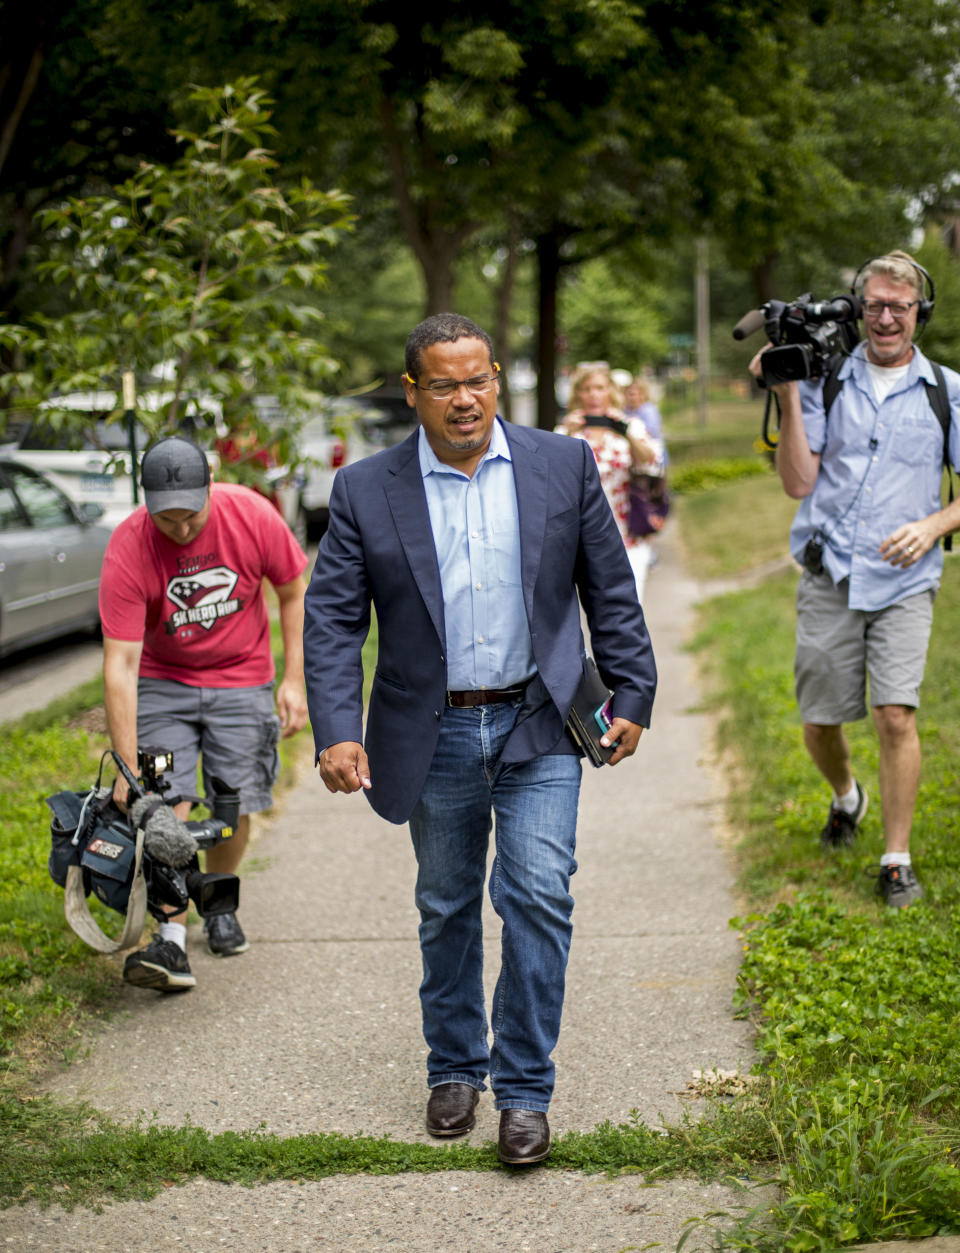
(73, 1155)
(47, 975)
(704, 475)
(721, 538)
(732, 430)
(857, 1007)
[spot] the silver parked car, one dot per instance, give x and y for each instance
(51, 551)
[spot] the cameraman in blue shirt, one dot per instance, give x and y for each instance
(867, 532)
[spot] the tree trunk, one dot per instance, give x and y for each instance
(18, 83)
(548, 273)
(763, 281)
(438, 273)
(15, 245)
(435, 247)
(501, 320)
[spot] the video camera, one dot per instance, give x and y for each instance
(805, 334)
(171, 866)
(89, 831)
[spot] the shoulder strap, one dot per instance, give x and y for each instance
(78, 915)
(832, 382)
(940, 404)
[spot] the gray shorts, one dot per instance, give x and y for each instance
(839, 647)
(233, 729)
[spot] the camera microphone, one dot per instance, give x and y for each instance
(165, 837)
(843, 308)
(750, 322)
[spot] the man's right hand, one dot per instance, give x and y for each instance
(121, 792)
(756, 369)
(344, 767)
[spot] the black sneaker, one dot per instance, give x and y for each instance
(897, 885)
(841, 827)
(225, 936)
(162, 965)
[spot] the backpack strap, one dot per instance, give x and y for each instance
(940, 404)
(832, 382)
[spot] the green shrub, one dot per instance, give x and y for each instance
(703, 476)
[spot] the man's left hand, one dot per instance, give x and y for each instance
(908, 543)
(626, 735)
(291, 707)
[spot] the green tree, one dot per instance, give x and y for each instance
(940, 339)
(854, 146)
(574, 124)
(610, 315)
(199, 276)
(72, 118)
(795, 134)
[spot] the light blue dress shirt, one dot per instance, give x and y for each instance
(477, 536)
(881, 466)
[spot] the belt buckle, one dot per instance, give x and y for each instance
(470, 699)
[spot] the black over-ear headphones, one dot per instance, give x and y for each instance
(924, 307)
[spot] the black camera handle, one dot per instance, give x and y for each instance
(137, 787)
(833, 365)
(135, 784)
(770, 445)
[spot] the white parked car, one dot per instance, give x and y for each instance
(97, 472)
(345, 430)
(93, 468)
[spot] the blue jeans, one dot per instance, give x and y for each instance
(535, 805)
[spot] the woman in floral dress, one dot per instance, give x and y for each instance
(620, 447)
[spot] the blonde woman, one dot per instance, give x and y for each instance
(620, 446)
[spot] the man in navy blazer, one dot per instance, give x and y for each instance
(476, 542)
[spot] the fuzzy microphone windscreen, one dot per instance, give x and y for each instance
(164, 836)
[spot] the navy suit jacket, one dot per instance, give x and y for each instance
(379, 549)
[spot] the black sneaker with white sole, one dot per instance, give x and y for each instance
(897, 885)
(225, 936)
(162, 965)
(841, 827)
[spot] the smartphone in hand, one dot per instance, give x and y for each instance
(591, 715)
(604, 716)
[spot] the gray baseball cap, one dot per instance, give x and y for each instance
(174, 474)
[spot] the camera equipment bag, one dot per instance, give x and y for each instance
(93, 850)
(939, 403)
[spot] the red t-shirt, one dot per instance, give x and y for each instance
(199, 608)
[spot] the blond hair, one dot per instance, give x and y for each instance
(898, 267)
(586, 370)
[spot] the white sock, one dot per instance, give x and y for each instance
(175, 931)
(849, 801)
(895, 859)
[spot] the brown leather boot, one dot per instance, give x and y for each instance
(450, 1109)
(524, 1137)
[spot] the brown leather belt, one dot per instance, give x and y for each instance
(485, 696)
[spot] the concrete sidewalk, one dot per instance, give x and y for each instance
(317, 1027)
